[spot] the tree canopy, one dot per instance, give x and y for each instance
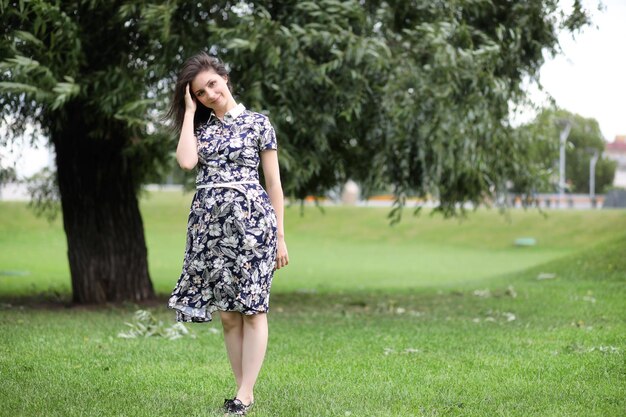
(411, 96)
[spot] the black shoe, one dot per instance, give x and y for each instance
(238, 408)
(228, 403)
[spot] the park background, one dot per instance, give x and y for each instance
(497, 311)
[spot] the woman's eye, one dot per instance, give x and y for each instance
(200, 94)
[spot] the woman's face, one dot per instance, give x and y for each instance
(211, 89)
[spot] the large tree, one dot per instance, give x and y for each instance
(412, 95)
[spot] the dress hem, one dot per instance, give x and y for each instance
(187, 314)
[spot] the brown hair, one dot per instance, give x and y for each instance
(192, 67)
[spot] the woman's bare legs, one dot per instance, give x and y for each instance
(232, 322)
(253, 353)
(246, 342)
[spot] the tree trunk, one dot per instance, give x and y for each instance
(105, 237)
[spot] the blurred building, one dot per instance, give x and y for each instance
(616, 151)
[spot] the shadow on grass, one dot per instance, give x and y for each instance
(292, 302)
(414, 303)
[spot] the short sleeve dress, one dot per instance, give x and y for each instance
(230, 251)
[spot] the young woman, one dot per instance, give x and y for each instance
(235, 234)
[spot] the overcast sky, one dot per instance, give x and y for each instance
(589, 78)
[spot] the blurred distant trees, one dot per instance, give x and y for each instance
(585, 139)
(411, 95)
(7, 174)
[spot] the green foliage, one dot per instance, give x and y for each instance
(44, 191)
(62, 57)
(7, 174)
(585, 139)
(408, 96)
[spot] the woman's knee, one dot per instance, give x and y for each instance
(255, 320)
(231, 320)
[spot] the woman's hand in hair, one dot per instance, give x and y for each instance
(190, 102)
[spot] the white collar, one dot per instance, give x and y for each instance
(231, 114)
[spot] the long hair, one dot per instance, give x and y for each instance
(192, 67)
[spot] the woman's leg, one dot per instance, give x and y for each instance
(232, 322)
(253, 352)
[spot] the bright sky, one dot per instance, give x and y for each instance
(588, 78)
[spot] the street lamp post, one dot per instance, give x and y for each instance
(567, 126)
(592, 177)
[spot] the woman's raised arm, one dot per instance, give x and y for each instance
(187, 150)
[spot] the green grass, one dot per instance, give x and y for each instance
(344, 249)
(389, 324)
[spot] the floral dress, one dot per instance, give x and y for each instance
(230, 251)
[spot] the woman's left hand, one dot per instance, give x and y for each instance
(282, 257)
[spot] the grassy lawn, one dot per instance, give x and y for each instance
(343, 250)
(429, 318)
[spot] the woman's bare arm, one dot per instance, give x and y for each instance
(187, 150)
(269, 162)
